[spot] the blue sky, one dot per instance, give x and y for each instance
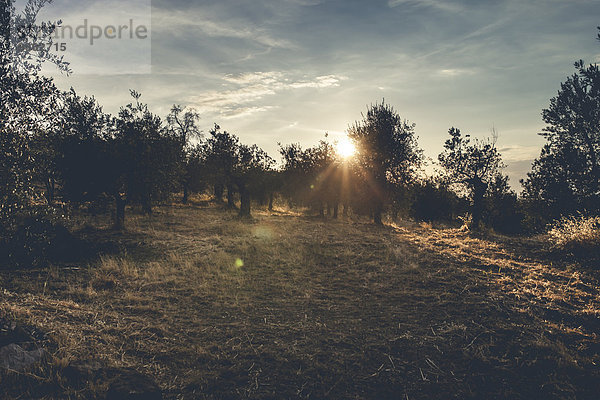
(291, 70)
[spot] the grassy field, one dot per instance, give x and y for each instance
(293, 307)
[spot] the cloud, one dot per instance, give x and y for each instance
(519, 153)
(305, 3)
(229, 102)
(265, 78)
(517, 170)
(183, 23)
(453, 72)
(319, 82)
(242, 92)
(246, 111)
(436, 4)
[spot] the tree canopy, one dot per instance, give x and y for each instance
(473, 165)
(566, 177)
(388, 152)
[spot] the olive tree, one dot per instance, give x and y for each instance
(565, 179)
(388, 153)
(472, 165)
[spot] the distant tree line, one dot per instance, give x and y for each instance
(60, 148)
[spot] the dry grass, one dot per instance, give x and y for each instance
(576, 234)
(289, 306)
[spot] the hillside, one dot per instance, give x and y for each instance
(291, 306)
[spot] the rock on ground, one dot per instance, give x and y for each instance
(15, 358)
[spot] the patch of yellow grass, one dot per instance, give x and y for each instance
(576, 233)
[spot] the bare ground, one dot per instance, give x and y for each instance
(293, 307)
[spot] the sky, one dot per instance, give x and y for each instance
(288, 71)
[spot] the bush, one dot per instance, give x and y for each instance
(37, 240)
(502, 213)
(432, 202)
(579, 235)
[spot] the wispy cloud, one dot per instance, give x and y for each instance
(242, 93)
(182, 23)
(246, 111)
(518, 153)
(454, 72)
(319, 82)
(443, 5)
(468, 43)
(251, 78)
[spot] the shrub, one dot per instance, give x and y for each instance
(502, 213)
(433, 202)
(37, 240)
(577, 234)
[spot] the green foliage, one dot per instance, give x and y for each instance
(132, 158)
(38, 238)
(16, 170)
(25, 43)
(145, 154)
(84, 160)
(433, 201)
(502, 209)
(29, 232)
(251, 175)
(231, 164)
(316, 176)
(565, 179)
(388, 153)
(295, 173)
(221, 149)
(25, 107)
(471, 167)
(183, 124)
(196, 169)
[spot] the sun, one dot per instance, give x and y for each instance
(345, 147)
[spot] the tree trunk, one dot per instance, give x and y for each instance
(479, 190)
(262, 200)
(230, 197)
(378, 201)
(336, 208)
(244, 202)
(147, 204)
(120, 211)
(377, 218)
(345, 212)
(50, 189)
(377, 212)
(218, 192)
(271, 202)
(186, 193)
